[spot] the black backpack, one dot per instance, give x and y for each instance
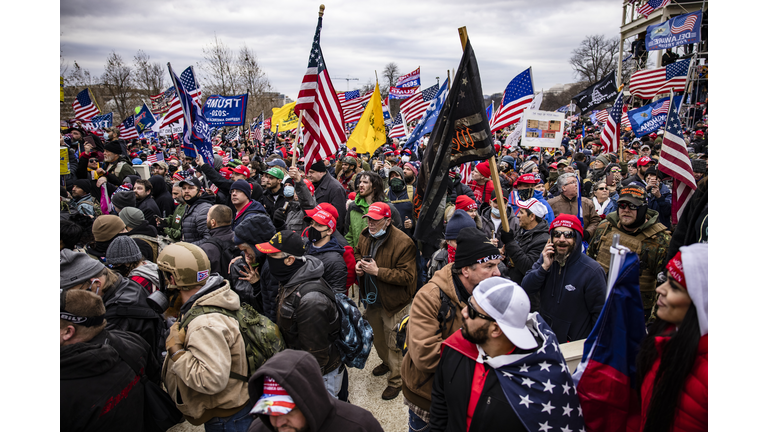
(227, 252)
(445, 314)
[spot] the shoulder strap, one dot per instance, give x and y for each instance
(446, 313)
(196, 311)
(409, 189)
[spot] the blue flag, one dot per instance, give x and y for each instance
(651, 117)
(102, 121)
(225, 110)
(427, 122)
(197, 131)
(144, 119)
(489, 110)
(680, 30)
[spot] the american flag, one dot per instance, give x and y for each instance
(662, 109)
(128, 129)
(162, 101)
(609, 137)
(602, 116)
(398, 128)
(225, 158)
(233, 134)
(517, 97)
(412, 79)
(197, 132)
(465, 172)
(624, 116)
(385, 108)
(84, 106)
(257, 128)
(189, 84)
(686, 25)
(157, 157)
(356, 109)
(674, 161)
(415, 106)
(646, 84)
(323, 116)
(651, 6)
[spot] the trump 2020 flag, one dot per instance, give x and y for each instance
(427, 121)
(197, 131)
(605, 379)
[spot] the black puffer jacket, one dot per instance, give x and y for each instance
(193, 225)
(149, 208)
(332, 256)
(99, 390)
(524, 250)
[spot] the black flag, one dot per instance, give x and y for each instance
(461, 134)
(603, 91)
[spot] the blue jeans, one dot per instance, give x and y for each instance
(238, 422)
(415, 423)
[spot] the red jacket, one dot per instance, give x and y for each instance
(482, 193)
(691, 413)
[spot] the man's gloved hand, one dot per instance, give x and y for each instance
(174, 343)
(507, 236)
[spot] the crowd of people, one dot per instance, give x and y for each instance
(160, 262)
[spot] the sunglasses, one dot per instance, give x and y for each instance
(624, 206)
(602, 188)
(566, 234)
(474, 314)
(93, 160)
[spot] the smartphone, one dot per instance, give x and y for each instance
(367, 258)
(609, 180)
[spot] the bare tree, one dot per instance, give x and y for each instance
(78, 77)
(391, 72)
(118, 83)
(252, 79)
(149, 77)
(594, 58)
(220, 71)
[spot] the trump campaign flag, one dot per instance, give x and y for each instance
(144, 119)
(605, 379)
(412, 79)
(197, 132)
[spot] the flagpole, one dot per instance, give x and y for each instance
(298, 137)
(492, 160)
(93, 98)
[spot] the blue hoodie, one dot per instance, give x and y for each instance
(335, 268)
(253, 207)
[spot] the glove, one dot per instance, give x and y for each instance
(507, 236)
(279, 217)
(174, 343)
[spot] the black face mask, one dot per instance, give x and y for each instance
(525, 194)
(314, 235)
(172, 168)
(280, 271)
(397, 185)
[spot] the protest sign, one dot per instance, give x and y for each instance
(225, 110)
(542, 128)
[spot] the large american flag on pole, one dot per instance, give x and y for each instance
(674, 161)
(354, 109)
(128, 129)
(84, 106)
(323, 118)
(646, 84)
(415, 106)
(651, 6)
(517, 97)
(189, 84)
(610, 135)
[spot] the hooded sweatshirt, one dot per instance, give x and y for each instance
(163, 198)
(298, 374)
(332, 256)
(571, 296)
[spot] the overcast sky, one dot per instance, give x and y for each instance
(357, 39)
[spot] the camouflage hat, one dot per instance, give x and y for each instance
(187, 263)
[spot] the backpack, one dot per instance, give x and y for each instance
(445, 314)
(261, 336)
(349, 260)
(227, 254)
(151, 241)
(355, 333)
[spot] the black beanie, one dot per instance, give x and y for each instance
(242, 186)
(473, 247)
(114, 147)
(318, 166)
(83, 184)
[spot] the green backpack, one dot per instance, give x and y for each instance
(261, 336)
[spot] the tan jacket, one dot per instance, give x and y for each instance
(424, 338)
(199, 380)
(561, 204)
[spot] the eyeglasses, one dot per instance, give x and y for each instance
(625, 205)
(615, 170)
(474, 314)
(566, 234)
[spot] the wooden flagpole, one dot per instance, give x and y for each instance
(298, 137)
(492, 160)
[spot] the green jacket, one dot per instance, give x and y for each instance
(356, 222)
(174, 222)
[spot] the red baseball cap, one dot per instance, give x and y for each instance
(323, 218)
(243, 170)
(568, 221)
(325, 207)
(699, 133)
(464, 202)
(310, 186)
(379, 211)
(645, 160)
(527, 178)
(226, 172)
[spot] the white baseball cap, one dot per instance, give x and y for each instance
(507, 303)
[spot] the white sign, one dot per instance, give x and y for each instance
(542, 128)
(173, 128)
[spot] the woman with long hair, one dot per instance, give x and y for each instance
(673, 359)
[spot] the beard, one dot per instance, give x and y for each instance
(409, 179)
(479, 337)
(560, 258)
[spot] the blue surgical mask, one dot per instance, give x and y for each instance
(496, 213)
(288, 191)
(379, 233)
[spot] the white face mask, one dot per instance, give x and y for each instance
(406, 158)
(106, 136)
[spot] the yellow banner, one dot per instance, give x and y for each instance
(370, 133)
(63, 161)
(285, 118)
(61, 89)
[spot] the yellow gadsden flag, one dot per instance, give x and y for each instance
(369, 134)
(285, 118)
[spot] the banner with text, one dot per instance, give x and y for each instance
(602, 91)
(225, 110)
(651, 117)
(173, 128)
(542, 128)
(680, 30)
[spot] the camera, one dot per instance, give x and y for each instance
(158, 301)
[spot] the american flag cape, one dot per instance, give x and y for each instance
(606, 376)
(646, 84)
(674, 161)
(323, 118)
(84, 106)
(189, 85)
(517, 97)
(128, 129)
(537, 385)
(415, 106)
(611, 134)
(651, 6)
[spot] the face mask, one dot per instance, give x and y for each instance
(279, 270)
(525, 194)
(106, 136)
(496, 213)
(314, 235)
(397, 185)
(406, 158)
(288, 191)
(379, 233)
(451, 254)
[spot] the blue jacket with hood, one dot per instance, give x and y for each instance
(571, 296)
(335, 268)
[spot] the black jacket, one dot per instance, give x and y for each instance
(149, 207)
(225, 184)
(298, 374)
(253, 207)
(98, 389)
(273, 201)
(332, 256)
(329, 190)
(222, 236)
(525, 250)
(163, 198)
(194, 228)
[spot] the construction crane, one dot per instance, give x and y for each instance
(348, 80)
